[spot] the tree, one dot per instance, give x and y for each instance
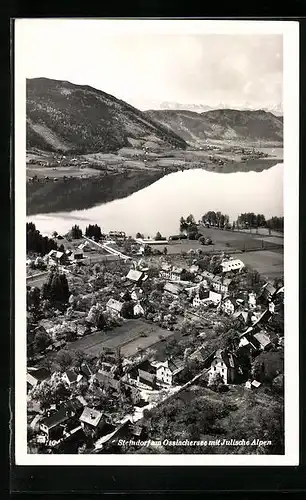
(50, 392)
(56, 289)
(183, 225)
(75, 232)
(93, 231)
(190, 220)
(41, 340)
(165, 251)
(127, 310)
(37, 243)
(139, 236)
(64, 359)
(217, 383)
(158, 236)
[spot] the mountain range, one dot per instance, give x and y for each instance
(65, 117)
(222, 124)
(276, 109)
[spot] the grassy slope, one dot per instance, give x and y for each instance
(65, 117)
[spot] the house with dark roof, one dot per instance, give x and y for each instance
(146, 374)
(200, 297)
(70, 377)
(86, 371)
(66, 417)
(267, 292)
(225, 364)
(37, 375)
(242, 316)
(216, 284)
(167, 371)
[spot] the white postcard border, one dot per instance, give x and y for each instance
(290, 32)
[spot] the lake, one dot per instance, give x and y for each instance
(159, 206)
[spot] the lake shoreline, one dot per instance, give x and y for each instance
(67, 195)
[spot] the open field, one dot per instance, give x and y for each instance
(268, 263)
(57, 172)
(132, 336)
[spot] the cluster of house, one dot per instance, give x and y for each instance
(62, 421)
(60, 258)
(132, 285)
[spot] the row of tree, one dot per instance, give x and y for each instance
(251, 220)
(213, 218)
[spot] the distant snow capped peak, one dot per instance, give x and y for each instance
(276, 109)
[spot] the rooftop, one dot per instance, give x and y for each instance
(134, 275)
(91, 416)
(172, 288)
(115, 304)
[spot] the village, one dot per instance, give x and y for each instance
(118, 326)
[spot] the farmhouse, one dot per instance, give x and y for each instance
(167, 371)
(224, 364)
(232, 265)
(104, 379)
(55, 256)
(78, 254)
(146, 375)
(114, 307)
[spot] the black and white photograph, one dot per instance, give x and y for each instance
(156, 204)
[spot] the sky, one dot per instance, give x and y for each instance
(149, 68)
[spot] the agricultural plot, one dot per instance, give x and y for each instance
(268, 263)
(132, 336)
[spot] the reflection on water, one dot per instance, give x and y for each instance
(159, 206)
